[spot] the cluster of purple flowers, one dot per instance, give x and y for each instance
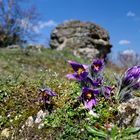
(91, 81)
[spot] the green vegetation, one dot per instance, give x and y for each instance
(23, 72)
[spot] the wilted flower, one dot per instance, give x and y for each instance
(45, 94)
(97, 65)
(80, 71)
(88, 97)
(131, 77)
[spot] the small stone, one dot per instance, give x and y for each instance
(41, 125)
(137, 122)
(40, 116)
(5, 133)
(14, 46)
(30, 121)
(23, 126)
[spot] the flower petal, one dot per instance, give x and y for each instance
(94, 83)
(85, 66)
(90, 104)
(75, 65)
(48, 91)
(84, 75)
(73, 76)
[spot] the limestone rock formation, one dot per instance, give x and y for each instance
(83, 38)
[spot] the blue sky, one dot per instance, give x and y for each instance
(121, 18)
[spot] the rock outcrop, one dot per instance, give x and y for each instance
(129, 113)
(83, 38)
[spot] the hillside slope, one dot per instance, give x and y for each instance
(23, 73)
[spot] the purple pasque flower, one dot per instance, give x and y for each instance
(45, 94)
(106, 91)
(131, 77)
(95, 83)
(137, 85)
(88, 97)
(97, 65)
(80, 71)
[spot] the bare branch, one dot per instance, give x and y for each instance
(16, 22)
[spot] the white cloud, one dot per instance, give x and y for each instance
(131, 14)
(124, 42)
(25, 24)
(43, 24)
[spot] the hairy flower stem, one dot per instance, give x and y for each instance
(117, 96)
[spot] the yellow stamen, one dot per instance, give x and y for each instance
(96, 67)
(80, 70)
(88, 96)
(44, 94)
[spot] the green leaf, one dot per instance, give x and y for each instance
(114, 132)
(96, 132)
(130, 130)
